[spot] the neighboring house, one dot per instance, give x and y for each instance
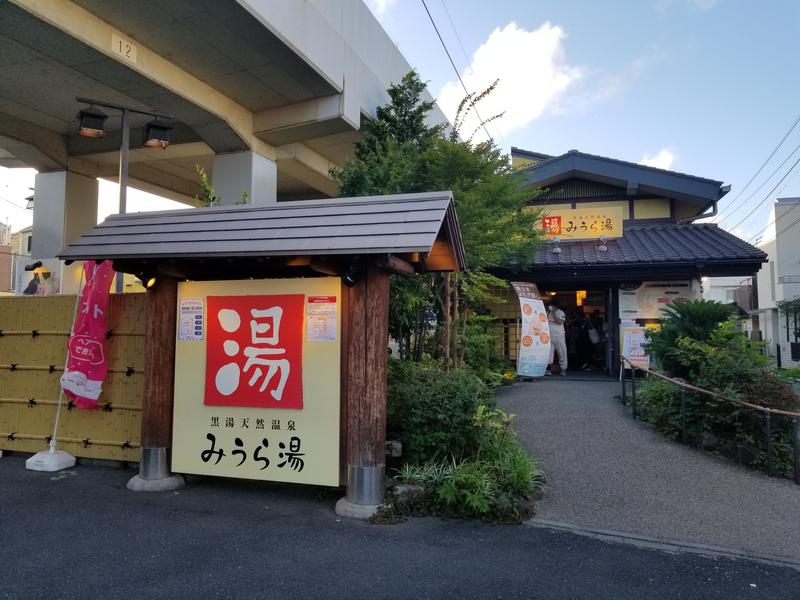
(724, 289)
(780, 280)
(20, 244)
(622, 242)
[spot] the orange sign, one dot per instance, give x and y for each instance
(583, 223)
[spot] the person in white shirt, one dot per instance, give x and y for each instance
(558, 338)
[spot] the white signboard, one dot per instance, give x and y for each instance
(646, 301)
(633, 343)
(190, 320)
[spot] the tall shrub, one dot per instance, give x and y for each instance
(693, 319)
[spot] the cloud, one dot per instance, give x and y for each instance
(532, 73)
(663, 160)
(380, 8)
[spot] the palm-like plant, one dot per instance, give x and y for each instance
(695, 319)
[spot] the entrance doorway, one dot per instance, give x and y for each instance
(587, 331)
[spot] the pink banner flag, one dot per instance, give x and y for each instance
(87, 363)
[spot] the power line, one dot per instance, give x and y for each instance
(763, 229)
(763, 183)
(453, 64)
(468, 62)
(14, 204)
(772, 190)
(764, 164)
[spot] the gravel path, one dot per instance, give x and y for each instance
(606, 471)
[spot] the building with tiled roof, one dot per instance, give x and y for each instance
(621, 241)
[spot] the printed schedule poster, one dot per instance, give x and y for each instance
(321, 319)
(190, 320)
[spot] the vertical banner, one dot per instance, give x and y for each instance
(87, 363)
(534, 346)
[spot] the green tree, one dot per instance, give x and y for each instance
(402, 152)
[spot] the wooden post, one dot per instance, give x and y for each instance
(159, 378)
(368, 335)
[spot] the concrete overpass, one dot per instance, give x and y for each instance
(266, 95)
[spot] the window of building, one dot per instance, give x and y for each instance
(28, 242)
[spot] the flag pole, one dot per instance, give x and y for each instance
(51, 460)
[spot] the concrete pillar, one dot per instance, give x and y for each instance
(238, 172)
(64, 208)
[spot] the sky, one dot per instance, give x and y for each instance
(706, 87)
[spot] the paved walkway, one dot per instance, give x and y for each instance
(606, 471)
(81, 534)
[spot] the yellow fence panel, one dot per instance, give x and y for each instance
(33, 338)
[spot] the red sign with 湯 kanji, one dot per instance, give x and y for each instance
(254, 352)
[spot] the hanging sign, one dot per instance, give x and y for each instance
(87, 361)
(583, 223)
(257, 395)
(534, 345)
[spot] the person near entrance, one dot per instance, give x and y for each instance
(558, 337)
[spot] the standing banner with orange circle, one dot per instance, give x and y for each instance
(534, 346)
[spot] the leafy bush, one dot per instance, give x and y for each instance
(495, 483)
(793, 373)
(430, 411)
(730, 365)
(693, 319)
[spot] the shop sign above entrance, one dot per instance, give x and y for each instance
(257, 390)
(583, 223)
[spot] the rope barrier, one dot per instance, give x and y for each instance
(36, 332)
(714, 395)
(33, 402)
(14, 436)
(52, 369)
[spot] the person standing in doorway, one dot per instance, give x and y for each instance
(558, 338)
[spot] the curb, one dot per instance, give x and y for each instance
(652, 543)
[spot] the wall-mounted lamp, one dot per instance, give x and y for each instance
(351, 276)
(602, 247)
(157, 135)
(147, 281)
(92, 123)
(556, 247)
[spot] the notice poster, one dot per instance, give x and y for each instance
(254, 398)
(534, 346)
(190, 319)
(633, 346)
(321, 319)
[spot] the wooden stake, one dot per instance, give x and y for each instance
(446, 328)
(159, 363)
(366, 373)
